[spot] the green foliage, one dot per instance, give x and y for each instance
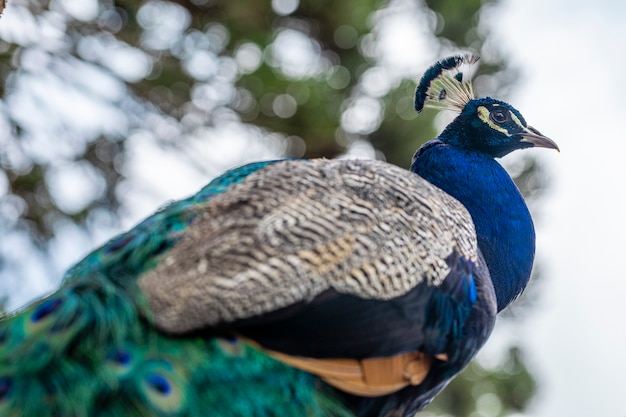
(491, 391)
(193, 64)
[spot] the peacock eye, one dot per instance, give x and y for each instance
(499, 116)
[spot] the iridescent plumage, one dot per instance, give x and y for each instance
(317, 288)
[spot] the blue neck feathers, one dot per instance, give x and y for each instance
(506, 236)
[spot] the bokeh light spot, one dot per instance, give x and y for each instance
(284, 106)
(284, 7)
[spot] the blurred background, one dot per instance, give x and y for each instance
(110, 109)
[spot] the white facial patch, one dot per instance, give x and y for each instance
(483, 114)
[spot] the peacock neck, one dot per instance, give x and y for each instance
(504, 228)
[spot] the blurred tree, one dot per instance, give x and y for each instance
(482, 391)
(95, 90)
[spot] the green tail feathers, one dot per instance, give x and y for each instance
(85, 351)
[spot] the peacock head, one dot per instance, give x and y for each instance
(484, 124)
(493, 127)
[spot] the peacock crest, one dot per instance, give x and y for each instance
(443, 85)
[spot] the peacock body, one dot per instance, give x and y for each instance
(292, 287)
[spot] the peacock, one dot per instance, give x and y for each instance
(293, 287)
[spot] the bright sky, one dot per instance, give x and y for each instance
(571, 54)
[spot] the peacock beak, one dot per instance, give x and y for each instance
(532, 135)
